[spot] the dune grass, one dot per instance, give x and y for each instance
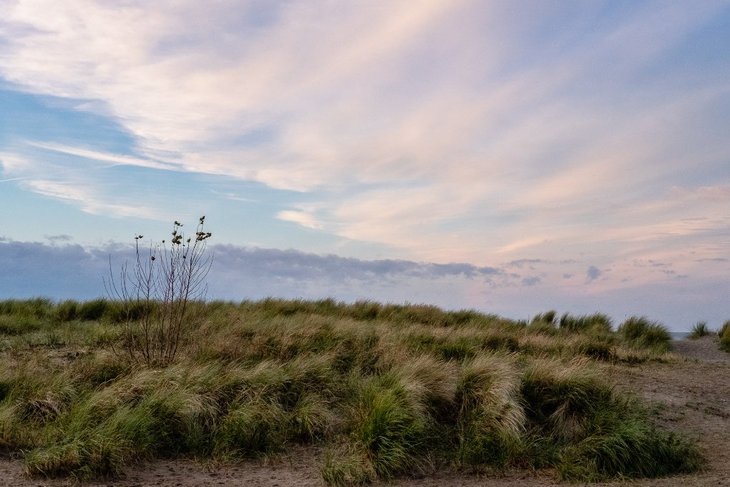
(724, 334)
(699, 330)
(640, 332)
(385, 390)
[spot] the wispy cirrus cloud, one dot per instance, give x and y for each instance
(103, 157)
(82, 185)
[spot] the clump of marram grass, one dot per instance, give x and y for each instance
(699, 330)
(627, 447)
(640, 332)
(384, 390)
(397, 417)
(253, 428)
(596, 348)
(544, 323)
(389, 426)
(491, 418)
(596, 434)
(596, 323)
(724, 334)
(141, 415)
(395, 420)
(559, 397)
(34, 307)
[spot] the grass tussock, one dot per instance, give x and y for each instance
(640, 332)
(699, 330)
(724, 334)
(491, 417)
(385, 390)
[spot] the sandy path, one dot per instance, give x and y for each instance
(692, 397)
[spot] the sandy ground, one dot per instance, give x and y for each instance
(692, 397)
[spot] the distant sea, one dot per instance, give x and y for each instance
(679, 335)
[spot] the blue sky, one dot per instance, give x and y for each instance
(509, 156)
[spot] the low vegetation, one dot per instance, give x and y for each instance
(725, 336)
(385, 390)
(643, 333)
(699, 330)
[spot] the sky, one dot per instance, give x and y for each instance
(508, 156)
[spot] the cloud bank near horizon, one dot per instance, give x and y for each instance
(520, 289)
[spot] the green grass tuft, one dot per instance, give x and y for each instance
(699, 330)
(254, 428)
(593, 324)
(641, 333)
(390, 426)
(630, 448)
(725, 336)
(491, 418)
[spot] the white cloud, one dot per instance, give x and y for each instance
(450, 130)
(303, 218)
(80, 184)
(87, 198)
(114, 159)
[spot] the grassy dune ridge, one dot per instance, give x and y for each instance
(385, 390)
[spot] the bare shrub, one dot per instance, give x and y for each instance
(156, 292)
